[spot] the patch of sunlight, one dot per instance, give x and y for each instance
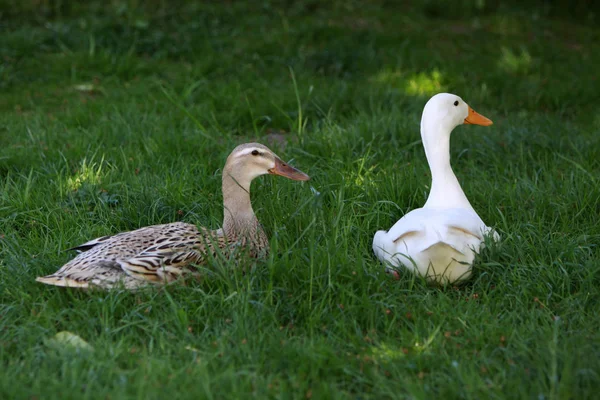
(384, 353)
(388, 77)
(417, 84)
(425, 84)
(510, 61)
(89, 172)
(423, 346)
(362, 176)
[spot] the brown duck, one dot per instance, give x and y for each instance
(163, 253)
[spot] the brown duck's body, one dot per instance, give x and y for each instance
(154, 254)
(164, 253)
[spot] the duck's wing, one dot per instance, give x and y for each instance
(102, 262)
(429, 226)
(89, 245)
(468, 223)
(411, 224)
(387, 245)
(168, 259)
(458, 219)
(463, 221)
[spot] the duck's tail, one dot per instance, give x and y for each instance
(383, 247)
(57, 280)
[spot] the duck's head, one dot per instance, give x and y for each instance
(250, 160)
(447, 111)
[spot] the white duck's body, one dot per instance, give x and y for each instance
(440, 240)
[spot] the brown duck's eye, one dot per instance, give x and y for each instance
(456, 103)
(255, 152)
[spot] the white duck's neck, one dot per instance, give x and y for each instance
(445, 190)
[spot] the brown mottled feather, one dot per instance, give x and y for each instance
(154, 254)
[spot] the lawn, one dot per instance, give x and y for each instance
(116, 115)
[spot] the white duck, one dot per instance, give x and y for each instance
(440, 240)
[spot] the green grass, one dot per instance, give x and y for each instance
(116, 115)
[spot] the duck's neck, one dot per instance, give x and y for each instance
(445, 190)
(238, 216)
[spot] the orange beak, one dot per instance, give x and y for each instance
(282, 169)
(474, 118)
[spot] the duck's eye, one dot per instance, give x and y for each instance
(456, 103)
(255, 152)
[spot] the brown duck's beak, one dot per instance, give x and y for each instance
(292, 173)
(474, 118)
